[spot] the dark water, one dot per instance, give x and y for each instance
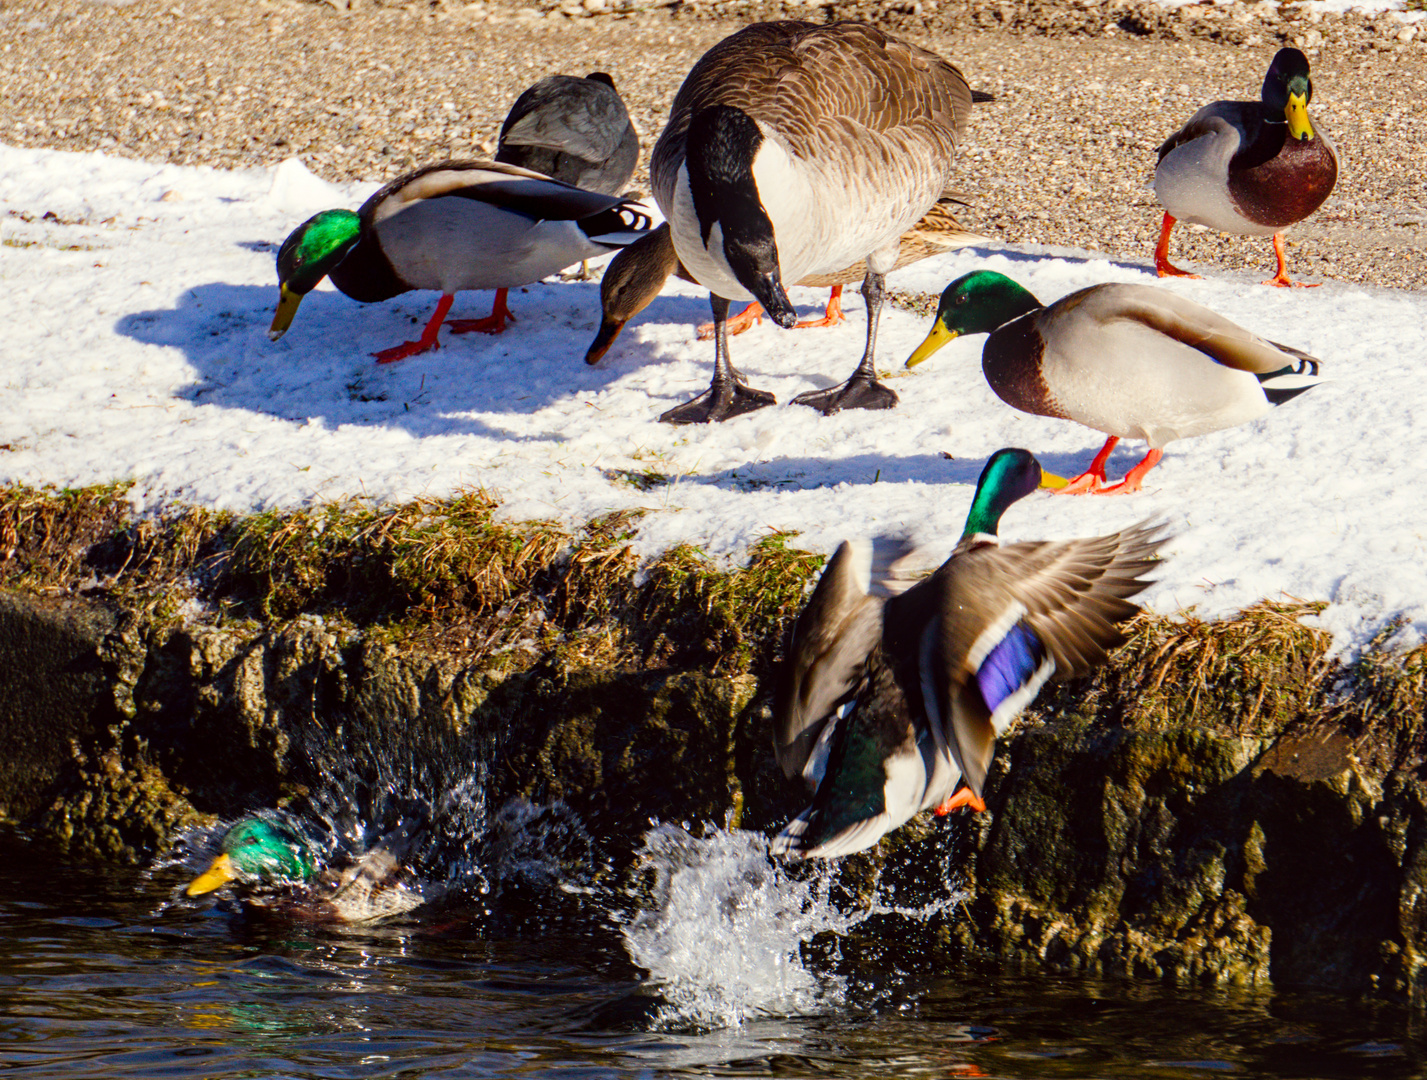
(102, 975)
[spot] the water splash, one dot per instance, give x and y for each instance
(394, 818)
(723, 928)
(719, 927)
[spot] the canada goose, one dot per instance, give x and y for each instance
(795, 149)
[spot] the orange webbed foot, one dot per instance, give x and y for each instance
(404, 350)
(963, 798)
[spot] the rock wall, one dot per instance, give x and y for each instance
(1111, 846)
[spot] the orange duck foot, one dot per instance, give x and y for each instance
(426, 343)
(752, 315)
(1281, 280)
(1162, 266)
(1092, 479)
(494, 323)
(963, 798)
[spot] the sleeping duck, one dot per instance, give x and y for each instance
(792, 150)
(276, 864)
(1251, 168)
(637, 273)
(891, 696)
(451, 226)
(1133, 361)
(574, 130)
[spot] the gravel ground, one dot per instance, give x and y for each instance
(1084, 93)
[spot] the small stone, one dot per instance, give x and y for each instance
(171, 195)
(1406, 34)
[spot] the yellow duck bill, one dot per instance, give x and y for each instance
(219, 873)
(286, 309)
(938, 337)
(1299, 126)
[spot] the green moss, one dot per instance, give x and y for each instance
(438, 573)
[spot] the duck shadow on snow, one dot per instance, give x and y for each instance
(808, 473)
(323, 370)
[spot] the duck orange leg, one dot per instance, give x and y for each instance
(494, 323)
(963, 797)
(753, 313)
(831, 317)
(426, 342)
(1092, 478)
(1281, 279)
(1135, 476)
(1162, 266)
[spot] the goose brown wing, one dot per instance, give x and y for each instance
(821, 85)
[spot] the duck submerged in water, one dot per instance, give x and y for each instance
(278, 867)
(636, 274)
(794, 149)
(893, 695)
(1132, 361)
(451, 226)
(1252, 168)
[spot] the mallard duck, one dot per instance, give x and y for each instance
(1247, 167)
(637, 273)
(575, 130)
(794, 149)
(451, 226)
(1133, 361)
(891, 696)
(272, 857)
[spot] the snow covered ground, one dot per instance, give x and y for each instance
(137, 299)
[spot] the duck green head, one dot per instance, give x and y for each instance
(1287, 89)
(1009, 475)
(257, 847)
(975, 303)
(309, 254)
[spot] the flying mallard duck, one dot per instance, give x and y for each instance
(794, 149)
(451, 226)
(1132, 361)
(891, 696)
(272, 856)
(635, 275)
(575, 130)
(1247, 167)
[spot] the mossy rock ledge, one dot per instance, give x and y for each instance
(1223, 803)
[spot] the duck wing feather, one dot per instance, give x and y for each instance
(522, 191)
(1225, 342)
(835, 633)
(1008, 618)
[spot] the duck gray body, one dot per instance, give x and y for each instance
(459, 225)
(576, 130)
(1136, 362)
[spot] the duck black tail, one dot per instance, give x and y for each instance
(1287, 383)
